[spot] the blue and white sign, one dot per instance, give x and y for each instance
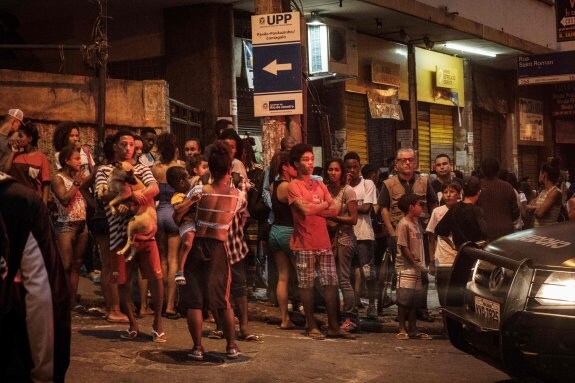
(546, 69)
(277, 64)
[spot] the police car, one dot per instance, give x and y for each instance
(512, 304)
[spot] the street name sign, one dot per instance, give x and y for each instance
(546, 69)
(276, 41)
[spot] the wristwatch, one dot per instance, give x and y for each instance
(76, 183)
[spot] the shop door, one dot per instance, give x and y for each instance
(488, 128)
(441, 131)
(355, 124)
(423, 138)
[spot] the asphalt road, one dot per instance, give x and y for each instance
(99, 355)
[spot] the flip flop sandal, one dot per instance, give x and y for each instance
(402, 336)
(315, 334)
(129, 334)
(216, 334)
(290, 326)
(159, 338)
(172, 316)
(424, 336)
(233, 352)
(251, 338)
(197, 354)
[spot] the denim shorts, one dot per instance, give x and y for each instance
(74, 227)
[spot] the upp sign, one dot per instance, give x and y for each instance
(277, 19)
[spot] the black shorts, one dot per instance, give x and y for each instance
(207, 273)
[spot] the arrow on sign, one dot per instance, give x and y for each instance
(274, 67)
(568, 21)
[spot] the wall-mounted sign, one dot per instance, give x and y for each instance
(384, 103)
(277, 64)
(546, 69)
(563, 100)
(446, 78)
(565, 20)
(385, 73)
(530, 120)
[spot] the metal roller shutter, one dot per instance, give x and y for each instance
(441, 131)
(356, 123)
(487, 135)
(423, 138)
(529, 164)
(382, 140)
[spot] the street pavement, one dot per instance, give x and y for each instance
(99, 355)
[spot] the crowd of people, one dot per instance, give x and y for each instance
(193, 229)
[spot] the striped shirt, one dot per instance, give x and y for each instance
(119, 223)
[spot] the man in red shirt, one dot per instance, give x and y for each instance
(310, 204)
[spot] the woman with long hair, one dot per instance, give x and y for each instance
(340, 228)
(547, 205)
(167, 236)
(27, 164)
(68, 133)
(70, 226)
(280, 234)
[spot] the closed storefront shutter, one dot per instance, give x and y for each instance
(381, 142)
(441, 131)
(487, 132)
(247, 123)
(355, 124)
(423, 139)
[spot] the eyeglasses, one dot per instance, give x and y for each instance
(404, 160)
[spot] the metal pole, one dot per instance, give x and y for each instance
(102, 72)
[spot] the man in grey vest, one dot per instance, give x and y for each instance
(406, 181)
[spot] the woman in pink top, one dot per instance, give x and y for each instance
(70, 226)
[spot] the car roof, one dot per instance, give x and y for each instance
(552, 245)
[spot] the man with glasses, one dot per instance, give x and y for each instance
(404, 182)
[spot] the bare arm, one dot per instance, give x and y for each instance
(406, 253)
(331, 210)
(147, 194)
(551, 200)
(307, 208)
(59, 190)
(350, 219)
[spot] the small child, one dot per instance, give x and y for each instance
(178, 178)
(409, 265)
(442, 254)
(197, 167)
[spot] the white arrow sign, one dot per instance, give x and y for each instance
(274, 67)
(568, 21)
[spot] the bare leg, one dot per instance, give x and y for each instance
(126, 297)
(79, 249)
(412, 320)
(157, 290)
(331, 301)
(143, 287)
(194, 317)
(402, 316)
(227, 318)
(283, 265)
(172, 263)
(306, 296)
(66, 248)
(109, 287)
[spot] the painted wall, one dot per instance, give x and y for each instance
(427, 63)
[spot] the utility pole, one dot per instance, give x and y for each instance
(277, 127)
(101, 42)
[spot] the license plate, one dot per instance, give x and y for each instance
(487, 309)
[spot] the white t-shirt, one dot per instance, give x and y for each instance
(444, 254)
(366, 193)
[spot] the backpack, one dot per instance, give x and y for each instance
(256, 205)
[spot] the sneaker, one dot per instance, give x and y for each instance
(371, 313)
(233, 352)
(348, 325)
(197, 353)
